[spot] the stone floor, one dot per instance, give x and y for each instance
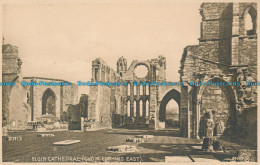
(165, 145)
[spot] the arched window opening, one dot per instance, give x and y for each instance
(49, 102)
(147, 90)
(115, 106)
(96, 74)
(134, 108)
(121, 66)
(147, 108)
(128, 108)
(250, 21)
(154, 73)
(248, 24)
(141, 108)
(141, 90)
(108, 75)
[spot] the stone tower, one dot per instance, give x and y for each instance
(227, 52)
(15, 109)
(121, 66)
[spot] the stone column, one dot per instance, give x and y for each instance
(99, 73)
(131, 108)
(184, 113)
(153, 107)
(93, 73)
(82, 123)
(61, 102)
(235, 35)
(197, 118)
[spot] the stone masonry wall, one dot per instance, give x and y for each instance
(214, 96)
(99, 109)
(15, 109)
(226, 52)
(216, 20)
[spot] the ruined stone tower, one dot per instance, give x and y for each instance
(227, 52)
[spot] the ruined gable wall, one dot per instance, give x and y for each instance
(14, 105)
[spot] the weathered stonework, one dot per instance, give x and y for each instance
(21, 104)
(132, 106)
(14, 104)
(63, 95)
(227, 52)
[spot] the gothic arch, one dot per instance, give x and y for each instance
(250, 11)
(172, 94)
(49, 102)
(202, 101)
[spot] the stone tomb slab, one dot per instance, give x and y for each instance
(66, 142)
(203, 158)
(196, 147)
(176, 159)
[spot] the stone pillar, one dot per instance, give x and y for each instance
(32, 101)
(102, 74)
(35, 104)
(137, 108)
(197, 118)
(82, 123)
(132, 108)
(105, 74)
(184, 113)
(61, 101)
(99, 73)
(153, 107)
(93, 74)
(196, 103)
(235, 35)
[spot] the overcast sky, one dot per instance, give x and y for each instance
(61, 40)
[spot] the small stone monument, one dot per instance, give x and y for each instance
(82, 124)
(219, 128)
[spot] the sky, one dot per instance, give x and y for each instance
(61, 40)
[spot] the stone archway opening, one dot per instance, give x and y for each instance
(169, 112)
(172, 115)
(49, 102)
(220, 101)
